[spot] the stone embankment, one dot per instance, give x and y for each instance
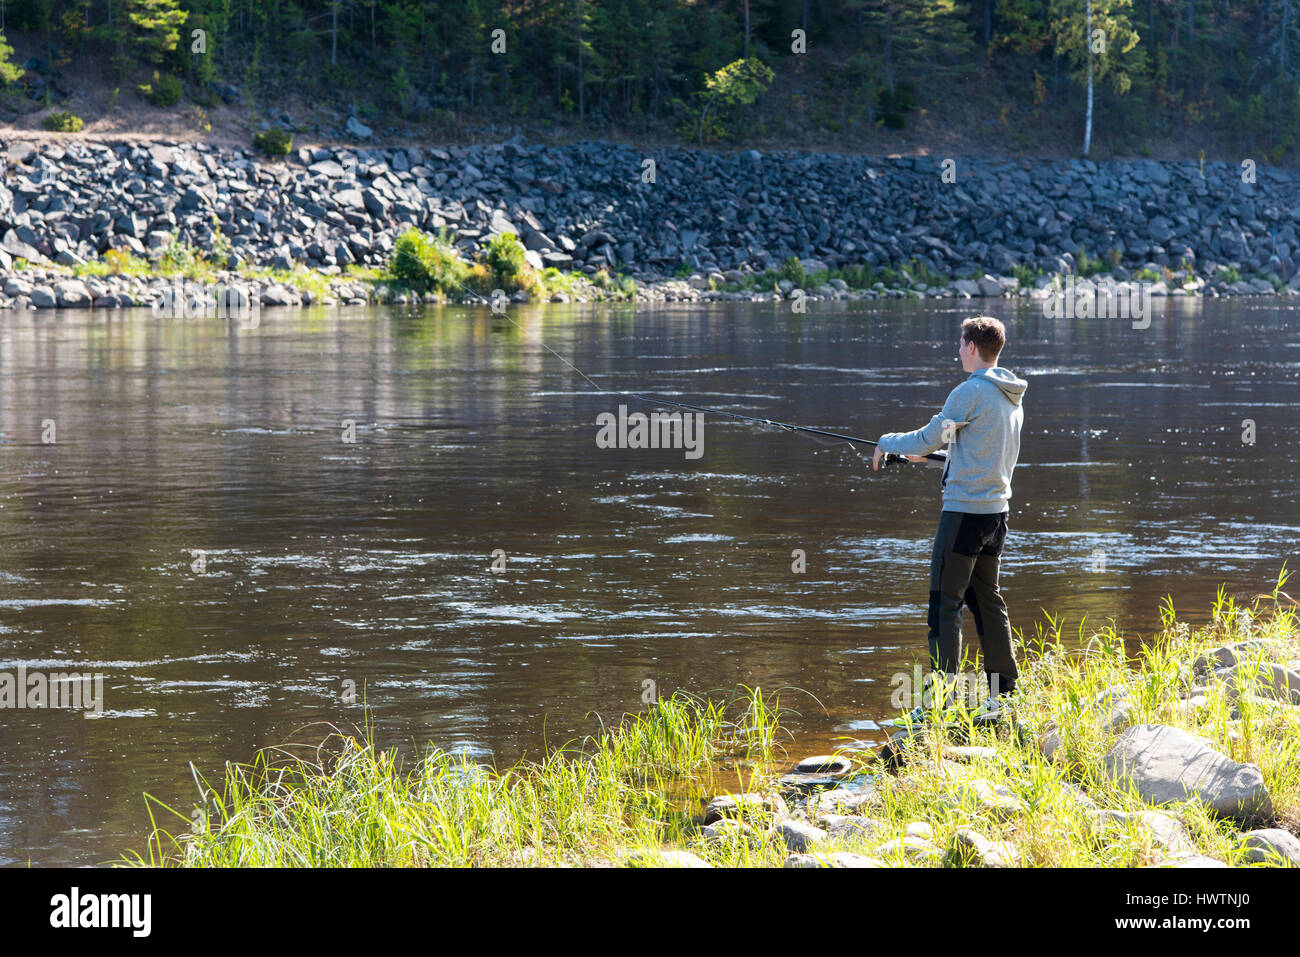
(684, 224)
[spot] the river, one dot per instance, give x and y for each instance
(200, 532)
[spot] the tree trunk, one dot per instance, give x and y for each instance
(988, 21)
(334, 33)
(1087, 123)
(746, 29)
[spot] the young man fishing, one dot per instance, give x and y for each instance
(980, 423)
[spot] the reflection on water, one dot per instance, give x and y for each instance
(201, 533)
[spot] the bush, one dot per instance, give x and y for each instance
(423, 262)
(505, 257)
(274, 142)
(793, 270)
(62, 122)
(165, 90)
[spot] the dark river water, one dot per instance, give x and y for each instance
(199, 533)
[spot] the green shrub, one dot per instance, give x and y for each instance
(423, 262)
(274, 142)
(793, 270)
(63, 122)
(165, 90)
(505, 257)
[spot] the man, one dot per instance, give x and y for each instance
(980, 423)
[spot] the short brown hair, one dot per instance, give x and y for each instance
(988, 335)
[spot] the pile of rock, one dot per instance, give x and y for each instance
(724, 216)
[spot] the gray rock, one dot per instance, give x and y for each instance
(1271, 845)
(666, 858)
(42, 297)
(1268, 680)
(1166, 831)
(799, 836)
(916, 848)
(72, 294)
(349, 199)
(731, 830)
(327, 168)
(969, 844)
(997, 801)
(15, 246)
(1168, 765)
(850, 828)
(746, 805)
(834, 765)
(841, 800)
(358, 129)
(278, 296)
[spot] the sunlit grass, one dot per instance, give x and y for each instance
(637, 785)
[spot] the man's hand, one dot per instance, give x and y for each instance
(875, 459)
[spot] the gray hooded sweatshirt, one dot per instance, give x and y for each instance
(983, 441)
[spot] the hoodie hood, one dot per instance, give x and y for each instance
(1012, 386)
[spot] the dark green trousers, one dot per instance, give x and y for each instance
(964, 570)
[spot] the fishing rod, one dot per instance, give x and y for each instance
(933, 459)
(890, 457)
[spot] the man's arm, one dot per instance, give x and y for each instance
(930, 438)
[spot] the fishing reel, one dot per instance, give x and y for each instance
(892, 458)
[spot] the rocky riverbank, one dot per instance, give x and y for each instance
(320, 224)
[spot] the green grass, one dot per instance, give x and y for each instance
(350, 804)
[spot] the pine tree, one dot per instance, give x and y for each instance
(155, 27)
(923, 38)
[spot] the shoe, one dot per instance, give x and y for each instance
(920, 716)
(994, 710)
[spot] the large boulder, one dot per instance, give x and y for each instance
(1167, 765)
